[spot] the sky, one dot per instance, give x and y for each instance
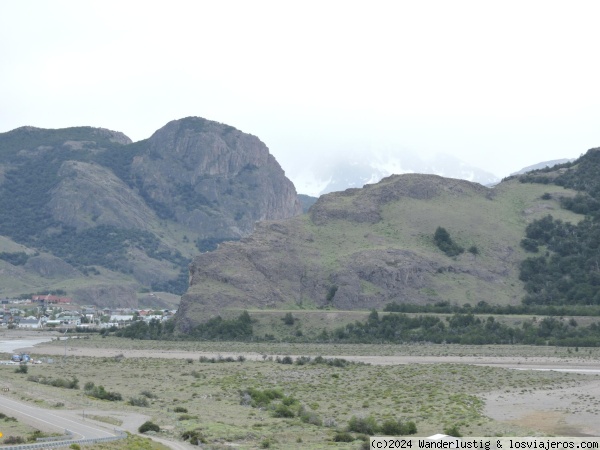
(500, 85)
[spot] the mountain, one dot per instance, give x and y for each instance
(365, 247)
(541, 165)
(340, 173)
(96, 215)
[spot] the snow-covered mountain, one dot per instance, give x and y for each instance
(337, 174)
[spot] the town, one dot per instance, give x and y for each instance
(57, 312)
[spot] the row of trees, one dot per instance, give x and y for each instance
(482, 307)
(216, 329)
(395, 328)
(465, 329)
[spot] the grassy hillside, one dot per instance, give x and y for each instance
(363, 248)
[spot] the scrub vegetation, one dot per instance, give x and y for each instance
(280, 401)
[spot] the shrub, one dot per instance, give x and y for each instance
(453, 431)
(343, 436)
(180, 409)
(331, 293)
(147, 394)
(187, 417)
(262, 398)
(13, 440)
(302, 360)
(266, 443)
(194, 436)
(22, 368)
(285, 360)
(311, 417)
(138, 401)
(283, 411)
(288, 319)
(365, 425)
(148, 426)
(100, 393)
(392, 427)
(56, 382)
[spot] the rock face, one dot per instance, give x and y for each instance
(49, 266)
(89, 195)
(133, 214)
(213, 178)
(363, 248)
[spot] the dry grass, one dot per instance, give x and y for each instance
(432, 395)
(285, 348)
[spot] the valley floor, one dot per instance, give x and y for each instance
(537, 390)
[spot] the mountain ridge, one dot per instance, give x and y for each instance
(131, 213)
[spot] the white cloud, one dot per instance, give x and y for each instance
(500, 85)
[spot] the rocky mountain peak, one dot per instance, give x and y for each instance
(211, 176)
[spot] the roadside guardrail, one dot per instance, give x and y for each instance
(60, 444)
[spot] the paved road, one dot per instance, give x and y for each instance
(57, 421)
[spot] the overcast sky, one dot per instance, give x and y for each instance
(498, 84)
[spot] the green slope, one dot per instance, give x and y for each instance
(363, 248)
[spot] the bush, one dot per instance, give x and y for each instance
(311, 417)
(365, 425)
(138, 401)
(187, 417)
(288, 319)
(285, 360)
(22, 368)
(147, 394)
(100, 393)
(180, 409)
(343, 436)
(148, 426)
(397, 428)
(262, 398)
(13, 440)
(194, 436)
(283, 411)
(56, 382)
(453, 431)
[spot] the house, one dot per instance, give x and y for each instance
(51, 299)
(30, 323)
(70, 319)
(121, 319)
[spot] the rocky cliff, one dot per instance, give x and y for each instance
(130, 214)
(363, 248)
(212, 178)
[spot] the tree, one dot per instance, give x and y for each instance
(445, 243)
(288, 319)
